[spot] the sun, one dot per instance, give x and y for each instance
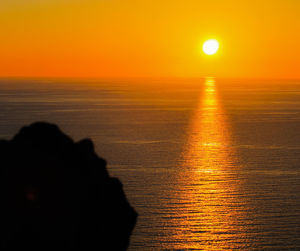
(210, 47)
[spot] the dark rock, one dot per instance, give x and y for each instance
(58, 194)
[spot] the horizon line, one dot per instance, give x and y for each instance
(141, 77)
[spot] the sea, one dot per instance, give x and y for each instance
(208, 163)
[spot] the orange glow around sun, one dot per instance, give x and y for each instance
(133, 38)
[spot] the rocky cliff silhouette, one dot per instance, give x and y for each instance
(57, 193)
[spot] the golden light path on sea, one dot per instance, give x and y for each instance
(207, 184)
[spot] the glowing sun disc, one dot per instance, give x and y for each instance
(210, 46)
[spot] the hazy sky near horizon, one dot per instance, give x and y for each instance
(149, 38)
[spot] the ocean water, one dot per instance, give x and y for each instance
(209, 164)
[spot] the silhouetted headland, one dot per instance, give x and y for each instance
(57, 193)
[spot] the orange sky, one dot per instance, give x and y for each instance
(149, 38)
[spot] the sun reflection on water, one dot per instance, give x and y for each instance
(207, 183)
